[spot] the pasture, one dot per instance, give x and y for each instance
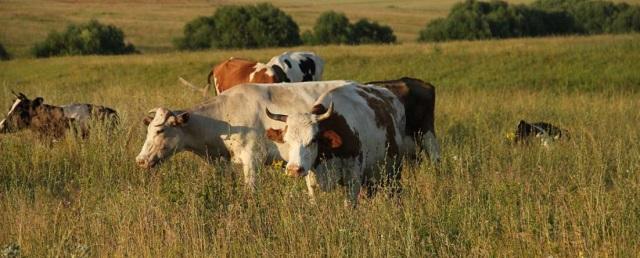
(581, 197)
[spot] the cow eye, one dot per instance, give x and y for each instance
(160, 131)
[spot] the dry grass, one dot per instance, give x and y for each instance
(87, 198)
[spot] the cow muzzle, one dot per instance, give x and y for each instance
(145, 163)
(296, 171)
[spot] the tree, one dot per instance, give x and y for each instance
(247, 26)
(92, 38)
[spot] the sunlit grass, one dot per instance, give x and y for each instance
(490, 198)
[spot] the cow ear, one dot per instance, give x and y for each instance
(335, 141)
(147, 120)
(37, 102)
(181, 119)
(276, 135)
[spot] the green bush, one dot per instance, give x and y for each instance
(334, 28)
(497, 19)
(92, 38)
(248, 26)
(198, 34)
(365, 32)
(331, 28)
(4, 55)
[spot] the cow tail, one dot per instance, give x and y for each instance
(215, 90)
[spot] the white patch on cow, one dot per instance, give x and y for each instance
(2, 124)
(300, 134)
(258, 67)
(15, 105)
(294, 73)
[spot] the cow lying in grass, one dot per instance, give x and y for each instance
(286, 67)
(53, 121)
(348, 142)
(546, 132)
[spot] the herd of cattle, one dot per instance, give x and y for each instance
(330, 132)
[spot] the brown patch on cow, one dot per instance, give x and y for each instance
(237, 71)
(418, 98)
(350, 146)
(261, 76)
(382, 109)
(276, 135)
(49, 121)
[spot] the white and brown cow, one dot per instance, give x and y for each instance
(229, 126)
(347, 136)
(54, 121)
(287, 67)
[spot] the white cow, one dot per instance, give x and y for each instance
(231, 125)
(346, 143)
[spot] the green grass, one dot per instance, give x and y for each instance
(489, 199)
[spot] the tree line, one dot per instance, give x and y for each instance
(264, 25)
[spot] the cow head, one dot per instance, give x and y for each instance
(165, 136)
(20, 113)
(304, 137)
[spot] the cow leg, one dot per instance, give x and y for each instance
(310, 179)
(354, 183)
(249, 169)
(433, 148)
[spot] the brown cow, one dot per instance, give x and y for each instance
(418, 98)
(286, 67)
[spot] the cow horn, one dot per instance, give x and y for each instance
(327, 114)
(278, 117)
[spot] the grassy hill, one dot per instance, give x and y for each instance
(152, 24)
(578, 198)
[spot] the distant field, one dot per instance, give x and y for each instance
(579, 198)
(151, 25)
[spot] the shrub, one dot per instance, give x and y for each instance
(365, 32)
(481, 20)
(92, 38)
(198, 34)
(4, 55)
(627, 20)
(249, 26)
(331, 28)
(334, 28)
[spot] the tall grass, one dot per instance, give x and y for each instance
(490, 198)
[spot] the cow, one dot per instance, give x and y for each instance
(287, 67)
(546, 132)
(346, 136)
(53, 121)
(418, 98)
(230, 126)
(298, 66)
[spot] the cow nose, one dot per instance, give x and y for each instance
(142, 163)
(295, 171)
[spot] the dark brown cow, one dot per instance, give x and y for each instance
(418, 98)
(53, 121)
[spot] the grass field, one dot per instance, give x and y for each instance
(578, 198)
(152, 24)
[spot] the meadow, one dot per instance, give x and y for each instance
(489, 198)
